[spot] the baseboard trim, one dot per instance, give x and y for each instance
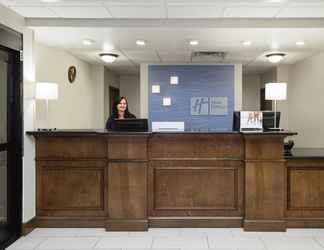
(126, 225)
(195, 222)
(265, 225)
(72, 222)
(29, 226)
(305, 222)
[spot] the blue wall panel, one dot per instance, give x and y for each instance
(194, 81)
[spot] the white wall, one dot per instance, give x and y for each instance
(16, 22)
(306, 102)
(111, 79)
(78, 103)
(251, 92)
(130, 88)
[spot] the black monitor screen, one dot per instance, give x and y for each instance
(131, 125)
(236, 120)
(268, 119)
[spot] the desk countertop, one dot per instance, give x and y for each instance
(90, 132)
(306, 153)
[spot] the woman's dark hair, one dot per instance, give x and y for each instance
(114, 112)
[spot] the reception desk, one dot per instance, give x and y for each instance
(133, 181)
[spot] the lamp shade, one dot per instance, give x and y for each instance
(276, 91)
(46, 91)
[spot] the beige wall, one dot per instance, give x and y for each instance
(77, 106)
(251, 92)
(130, 88)
(110, 79)
(306, 102)
(283, 106)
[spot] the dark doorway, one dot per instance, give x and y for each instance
(264, 104)
(10, 143)
(113, 96)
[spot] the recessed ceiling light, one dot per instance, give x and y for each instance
(246, 43)
(300, 43)
(88, 42)
(141, 42)
(108, 57)
(194, 42)
(275, 57)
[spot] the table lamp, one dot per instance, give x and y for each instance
(275, 91)
(46, 91)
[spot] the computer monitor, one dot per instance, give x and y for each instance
(236, 120)
(267, 120)
(131, 125)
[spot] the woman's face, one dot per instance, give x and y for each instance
(122, 105)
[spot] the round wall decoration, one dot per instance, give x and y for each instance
(72, 74)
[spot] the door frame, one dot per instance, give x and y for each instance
(12, 42)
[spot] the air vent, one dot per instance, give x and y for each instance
(208, 56)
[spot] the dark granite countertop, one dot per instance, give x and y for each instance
(91, 132)
(306, 153)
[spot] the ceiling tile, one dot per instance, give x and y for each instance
(34, 11)
(303, 11)
(251, 12)
(175, 57)
(142, 55)
(135, 11)
(81, 12)
(211, 11)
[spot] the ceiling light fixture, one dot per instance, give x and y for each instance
(88, 42)
(108, 57)
(141, 42)
(300, 43)
(194, 42)
(275, 57)
(246, 43)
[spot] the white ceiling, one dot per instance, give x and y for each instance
(169, 44)
(167, 8)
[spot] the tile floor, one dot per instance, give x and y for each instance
(170, 239)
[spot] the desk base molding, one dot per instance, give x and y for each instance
(265, 225)
(75, 222)
(126, 225)
(305, 222)
(194, 222)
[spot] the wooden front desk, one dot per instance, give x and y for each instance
(132, 181)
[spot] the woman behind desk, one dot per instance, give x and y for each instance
(119, 111)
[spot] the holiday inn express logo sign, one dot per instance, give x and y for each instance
(208, 105)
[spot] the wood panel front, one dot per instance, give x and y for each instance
(127, 189)
(199, 146)
(305, 189)
(265, 183)
(66, 188)
(196, 188)
(68, 148)
(127, 147)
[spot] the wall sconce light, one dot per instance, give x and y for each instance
(155, 89)
(174, 80)
(166, 101)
